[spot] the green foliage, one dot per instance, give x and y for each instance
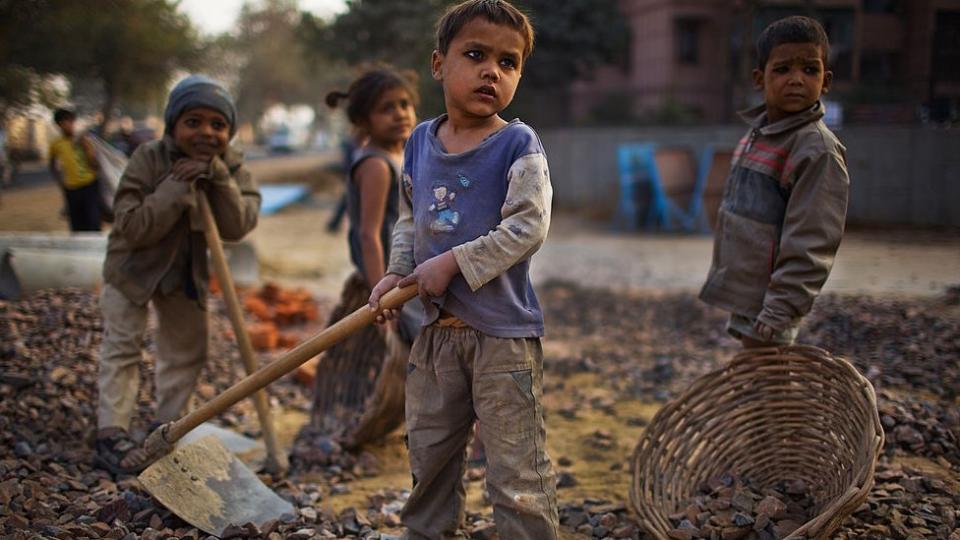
(400, 32)
(271, 61)
(573, 37)
(396, 32)
(22, 87)
(130, 47)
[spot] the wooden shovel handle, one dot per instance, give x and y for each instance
(276, 457)
(286, 363)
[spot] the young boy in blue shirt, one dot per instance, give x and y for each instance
(475, 206)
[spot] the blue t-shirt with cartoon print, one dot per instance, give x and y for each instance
(457, 198)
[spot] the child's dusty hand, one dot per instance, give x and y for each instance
(189, 169)
(219, 173)
(385, 285)
(433, 275)
(764, 331)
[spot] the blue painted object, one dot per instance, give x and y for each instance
(636, 166)
(275, 197)
(638, 172)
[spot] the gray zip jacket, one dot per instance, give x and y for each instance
(781, 220)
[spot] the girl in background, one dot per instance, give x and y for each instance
(381, 106)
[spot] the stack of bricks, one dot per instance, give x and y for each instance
(275, 310)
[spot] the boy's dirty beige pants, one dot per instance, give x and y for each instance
(457, 375)
(181, 353)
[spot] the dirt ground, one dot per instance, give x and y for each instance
(294, 249)
(294, 246)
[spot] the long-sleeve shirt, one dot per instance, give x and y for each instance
(490, 205)
(782, 218)
(155, 237)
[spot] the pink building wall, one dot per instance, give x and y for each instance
(715, 87)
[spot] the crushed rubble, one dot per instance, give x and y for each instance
(731, 508)
(645, 347)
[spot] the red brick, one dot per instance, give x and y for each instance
(264, 336)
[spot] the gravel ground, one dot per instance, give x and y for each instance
(611, 357)
(625, 333)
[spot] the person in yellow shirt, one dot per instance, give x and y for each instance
(73, 163)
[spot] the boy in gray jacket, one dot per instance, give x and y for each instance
(785, 201)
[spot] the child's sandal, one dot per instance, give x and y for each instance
(120, 455)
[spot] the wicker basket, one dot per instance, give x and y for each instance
(359, 390)
(771, 414)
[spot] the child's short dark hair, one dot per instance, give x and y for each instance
(795, 29)
(367, 89)
(61, 115)
(494, 11)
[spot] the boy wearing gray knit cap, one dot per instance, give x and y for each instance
(156, 253)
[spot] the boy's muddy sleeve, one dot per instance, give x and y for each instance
(812, 228)
(143, 217)
(401, 244)
(234, 199)
(525, 219)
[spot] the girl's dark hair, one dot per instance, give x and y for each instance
(364, 92)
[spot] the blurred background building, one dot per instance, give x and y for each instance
(894, 61)
(604, 74)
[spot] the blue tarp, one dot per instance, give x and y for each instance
(274, 197)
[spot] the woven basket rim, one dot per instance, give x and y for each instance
(834, 510)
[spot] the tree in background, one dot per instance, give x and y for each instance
(271, 60)
(130, 48)
(21, 86)
(397, 32)
(573, 37)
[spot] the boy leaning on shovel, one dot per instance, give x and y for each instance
(785, 202)
(156, 254)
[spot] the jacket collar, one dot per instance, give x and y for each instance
(233, 158)
(757, 118)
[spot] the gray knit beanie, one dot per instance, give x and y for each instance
(199, 91)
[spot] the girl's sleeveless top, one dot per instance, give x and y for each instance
(353, 205)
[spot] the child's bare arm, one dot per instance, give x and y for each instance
(373, 179)
(145, 215)
(90, 152)
(54, 170)
(234, 199)
(812, 230)
(525, 219)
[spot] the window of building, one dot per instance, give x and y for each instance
(686, 32)
(879, 67)
(882, 6)
(946, 47)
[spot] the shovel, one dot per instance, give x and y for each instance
(205, 484)
(276, 462)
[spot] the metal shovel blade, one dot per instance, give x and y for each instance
(209, 488)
